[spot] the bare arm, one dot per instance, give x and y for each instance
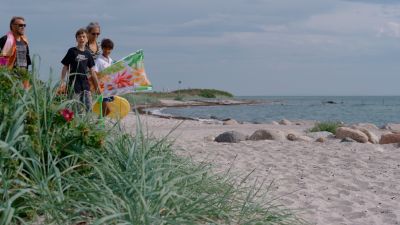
(64, 72)
(93, 74)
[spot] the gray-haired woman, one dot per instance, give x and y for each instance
(93, 30)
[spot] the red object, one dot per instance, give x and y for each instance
(123, 79)
(67, 114)
(3, 61)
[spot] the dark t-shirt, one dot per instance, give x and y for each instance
(78, 61)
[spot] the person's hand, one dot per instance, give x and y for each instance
(62, 89)
(98, 90)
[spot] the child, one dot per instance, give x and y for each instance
(78, 62)
(103, 61)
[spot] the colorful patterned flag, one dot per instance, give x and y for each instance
(125, 76)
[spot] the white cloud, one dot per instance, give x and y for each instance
(391, 29)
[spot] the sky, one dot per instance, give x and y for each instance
(246, 47)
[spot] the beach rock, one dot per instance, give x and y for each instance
(274, 123)
(291, 137)
(267, 135)
(347, 139)
(357, 135)
(230, 122)
(320, 134)
(285, 122)
(329, 102)
(321, 140)
(304, 138)
(230, 137)
(297, 137)
(371, 136)
(209, 138)
(390, 138)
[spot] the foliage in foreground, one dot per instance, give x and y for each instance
(206, 93)
(56, 171)
(329, 126)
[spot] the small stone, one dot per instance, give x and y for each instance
(285, 122)
(291, 137)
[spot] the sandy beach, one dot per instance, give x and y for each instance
(327, 183)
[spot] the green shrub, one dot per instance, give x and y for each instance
(207, 94)
(329, 126)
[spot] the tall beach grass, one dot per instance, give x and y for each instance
(79, 172)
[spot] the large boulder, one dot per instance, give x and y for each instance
(371, 136)
(357, 135)
(390, 138)
(230, 137)
(267, 135)
(366, 129)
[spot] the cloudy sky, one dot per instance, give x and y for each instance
(247, 47)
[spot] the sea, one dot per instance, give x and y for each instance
(379, 110)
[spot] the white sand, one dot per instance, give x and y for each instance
(326, 183)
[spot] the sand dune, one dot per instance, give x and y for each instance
(326, 183)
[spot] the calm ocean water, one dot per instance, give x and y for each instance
(349, 109)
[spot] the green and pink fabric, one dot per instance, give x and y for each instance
(125, 76)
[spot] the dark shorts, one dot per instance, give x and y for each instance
(79, 83)
(108, 99)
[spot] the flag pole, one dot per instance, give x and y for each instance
(100, 101)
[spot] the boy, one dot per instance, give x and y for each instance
(103, 61)
(78, 62)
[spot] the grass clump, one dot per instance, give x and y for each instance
(55, 170)
(141, 99)
(329, 126)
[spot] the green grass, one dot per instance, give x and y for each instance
(80, 171)
(186, 93)
(141, 99)
(329, 126)
(206, 93)
(153, 98)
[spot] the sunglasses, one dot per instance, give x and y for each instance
(95, 34)
(21, 25)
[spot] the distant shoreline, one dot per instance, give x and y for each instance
(151, 109)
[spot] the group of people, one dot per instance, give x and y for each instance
(81, 63)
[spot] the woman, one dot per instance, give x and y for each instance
(93, 30)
